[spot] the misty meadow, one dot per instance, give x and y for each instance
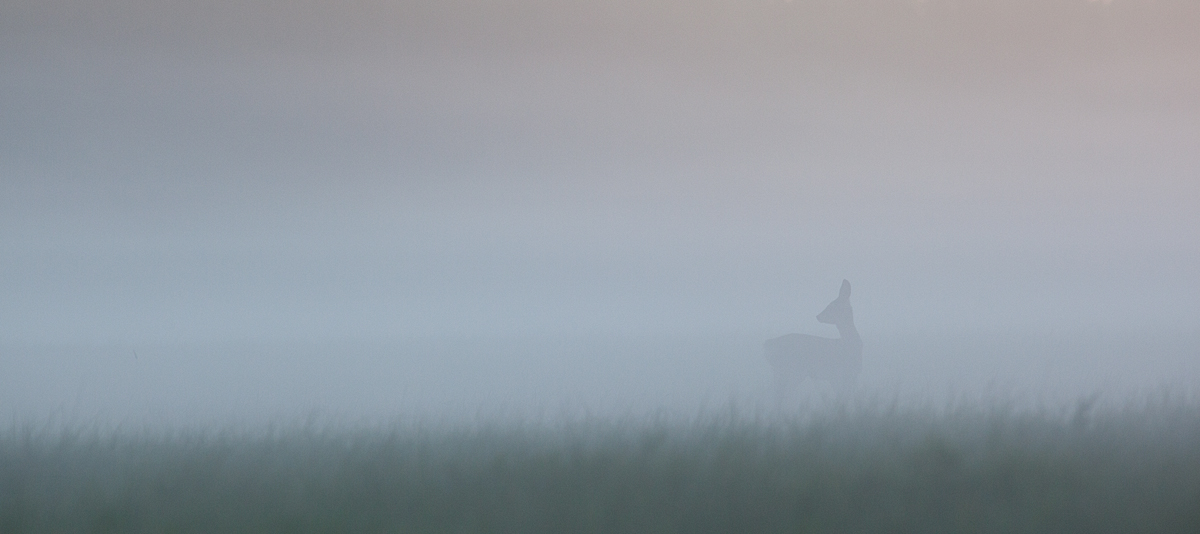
(864, 468)
(599, 266)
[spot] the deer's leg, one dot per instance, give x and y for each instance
(783, 385)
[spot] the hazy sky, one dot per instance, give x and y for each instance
(298, 169)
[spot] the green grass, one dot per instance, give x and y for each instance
(852, 470)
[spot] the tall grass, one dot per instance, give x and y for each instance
(876, 469)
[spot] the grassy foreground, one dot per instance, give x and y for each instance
(852, 470)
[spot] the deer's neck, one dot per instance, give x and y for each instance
(849, 334)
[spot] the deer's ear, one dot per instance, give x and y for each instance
(845, 291)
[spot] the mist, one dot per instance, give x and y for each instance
(220, 211)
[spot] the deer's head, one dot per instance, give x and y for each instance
(839, 312)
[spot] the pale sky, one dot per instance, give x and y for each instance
(208, 170)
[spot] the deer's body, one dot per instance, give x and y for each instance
(796, 357)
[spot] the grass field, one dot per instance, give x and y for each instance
(853, 469)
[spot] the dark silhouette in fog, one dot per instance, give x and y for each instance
(795, 357)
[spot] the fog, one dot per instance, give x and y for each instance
(245, 210)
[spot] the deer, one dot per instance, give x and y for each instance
(796, 357)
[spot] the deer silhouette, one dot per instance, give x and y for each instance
(796, 357)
